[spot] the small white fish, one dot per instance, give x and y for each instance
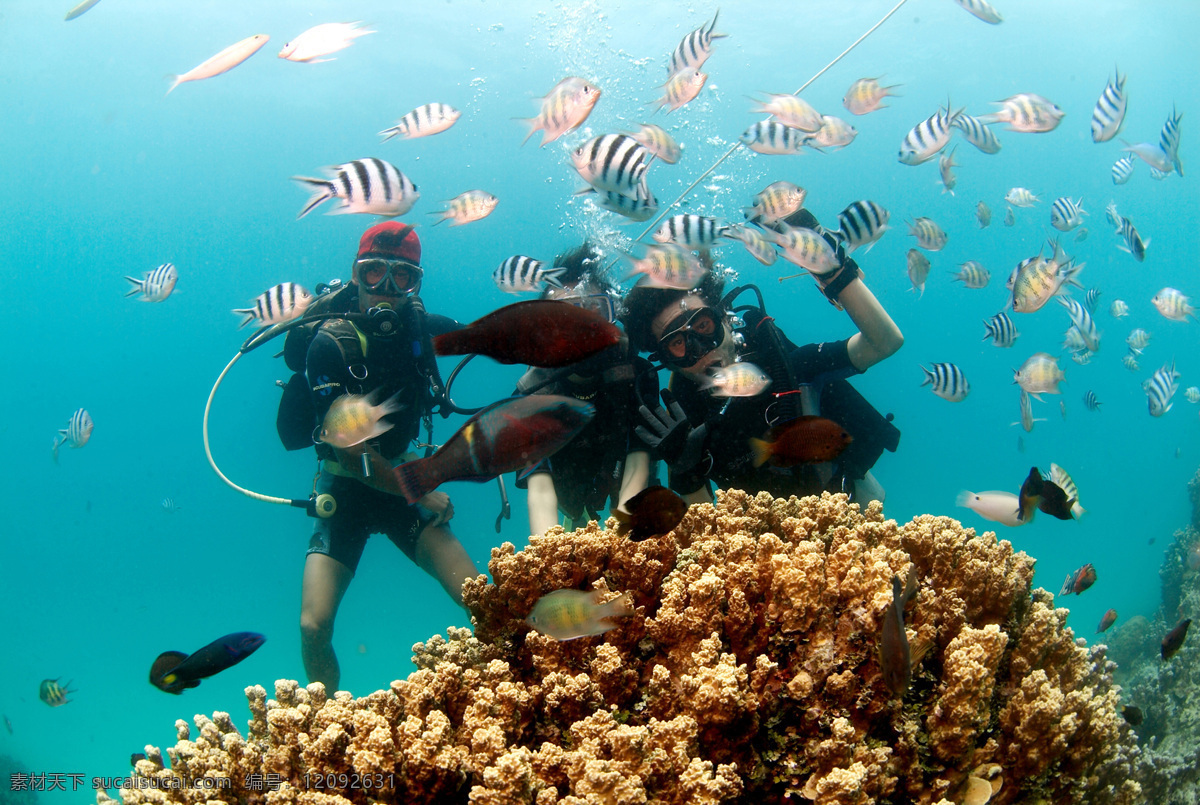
(80, 9)
(1039, 375)
(76, 433)
(972, 275)
(918, 271)
(695, 48)
(1009, 218)
(929, 235)
(1193, 394)
(834, 133)
(999, 507)
(613, 162)
(681, 89)
(1118, 309)
(432, 118)
(862, 224)
(276, 305)
(369, 186)
(1081, 235)
(790, 110)
(983, 214)
(1130, 362)
(520, 274)
(1122, 169)
(321, 40)
(564, 108)
(1027, 113)
(1137, 340)
(1109, 114)
(668, 266)
(977, 133)
(658, 142)
(1066, 214)
(1021, 197)
(741, 379)
(947, 381)
(690, 231)
(1001, 329)
(983, 10)
(354, 418)
(927, 138)
(773, 137)
(1173, 305)
(227, 59)
(464, 208)
(157, 285)
(946, 165)
(866, 96)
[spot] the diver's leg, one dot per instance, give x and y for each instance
(325, 583)
(439, 553)
(542, 500)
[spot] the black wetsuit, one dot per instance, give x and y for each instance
(337, 364)
(733, 421)
(587, 471)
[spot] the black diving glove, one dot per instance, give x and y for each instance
(671, 436)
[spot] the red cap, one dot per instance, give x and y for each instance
(391, 239)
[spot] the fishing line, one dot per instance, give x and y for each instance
(737, 145)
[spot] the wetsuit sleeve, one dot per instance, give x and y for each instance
(821, 363)
(327, 372)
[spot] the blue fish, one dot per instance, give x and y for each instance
(173, 671)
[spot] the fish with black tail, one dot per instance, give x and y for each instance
(895, 656)
(652, 512)
(174, 671)
(1173, 640)
(507, 436)
(1133, 715)
(538, 332)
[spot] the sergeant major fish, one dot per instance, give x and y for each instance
(1160, 388)
(157, 284)
(972, 275)
(833, 133)
(564, 108)
(1066, 214)
(76, 433)
(519, 274)
(473, 205)
(983, 10)
(1039, 375)
(54, 694)
(695, 48)
(772, 137)
(690, 231)
(790, 110)
(355, 418)
(613, 162)
(1020, 197)
(862, 224)
(641, 208)
(432, 118)
(1109, 114)
(929, 235)
(976, 133)
(946, 165)
(806, 248)
(1084, 324)
(658, 142)
(866, 96)
(1173, 305)
(668, 266)
(947, 381)
(1001, 329)
(681, 88)
(1133, 245)
(983, 214)
(1122, 169)
(777, 200)
(368, 186)
(918, 271)
(1026, 112)
(276, 305)
(755, 242)
(927, 138)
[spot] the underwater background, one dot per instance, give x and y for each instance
(107, 178)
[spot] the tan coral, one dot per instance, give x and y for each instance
(749, 672)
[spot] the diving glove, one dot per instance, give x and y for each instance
(671, 436)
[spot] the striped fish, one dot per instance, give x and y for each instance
(75, 434)
(614, 162)
(755, 242)
(1027, 418)
(1040, 374)
(947, 381)
(1021, 197)
(771, 137)
(169, 505)
(777, 200)
(918, 271)
(1060, 478)
(1083, 322)
(1109, 114)
(681, 88)
(1009, 218)
(635, 209)
(467, 207)
(1168, 140)
(1134, 244)
(1130, 362)
(1066, 214)
(520, 274)
(157, 285)
(1118, 309)
(432, 118)
(1091, 298)
(976, 133)
(834, 133)
(983, 10)
(1036, 279)
(1122, 169)
(1026, 112)
(1083, 357)
(1173, 305)
(866, 96)
(658, 142)
(1073, 340)
(668, 266)
(946, 166)
(282, 303)
(927, 138)
(695, 48)
(1001, 329)
(564, 108)
(1114, 217)
(690, 231)
(1160, 388)
(1158, 175)
(790, 110)
(983, 214)
(806, 248)
(929, 235)
(1138, 339)
(370, 186)
(972, 275)
(862, 224)
(1091, 401)
(1193, 394)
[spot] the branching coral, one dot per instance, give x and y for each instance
(750, 672)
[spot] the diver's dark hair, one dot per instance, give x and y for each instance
(583, 264)
(643, 303)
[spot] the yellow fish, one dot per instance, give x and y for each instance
(354, 418)
(568, 614)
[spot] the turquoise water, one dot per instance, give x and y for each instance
(107, 177)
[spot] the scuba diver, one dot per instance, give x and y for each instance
(605, 460)
(703, 436)
(385, 353)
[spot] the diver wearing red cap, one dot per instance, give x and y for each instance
(381, 358)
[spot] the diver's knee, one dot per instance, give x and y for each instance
(314, 629)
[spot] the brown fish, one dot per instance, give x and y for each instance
(1108, 620)
(538, 332)
(652, 512)
(1031, 495)
(803, 440)
(1174, 639)
(895, 657)
(1132, 714)
(1038, 493)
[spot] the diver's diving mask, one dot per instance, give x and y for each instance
(599, 303)
(386, 277)
(690, 336)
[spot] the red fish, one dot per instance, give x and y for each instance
(507, 436)
(539, 332)
(803, 440)
(1079, 581)
(653, 512)
(1174, 639)
(1108, 620)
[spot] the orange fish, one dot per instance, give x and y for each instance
(539, 332)
(803, 440)
(1079, 581)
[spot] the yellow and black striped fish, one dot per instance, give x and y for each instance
(53, 693)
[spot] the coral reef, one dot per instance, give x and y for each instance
(750, 672)
(12, 790)
(1165, 691)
